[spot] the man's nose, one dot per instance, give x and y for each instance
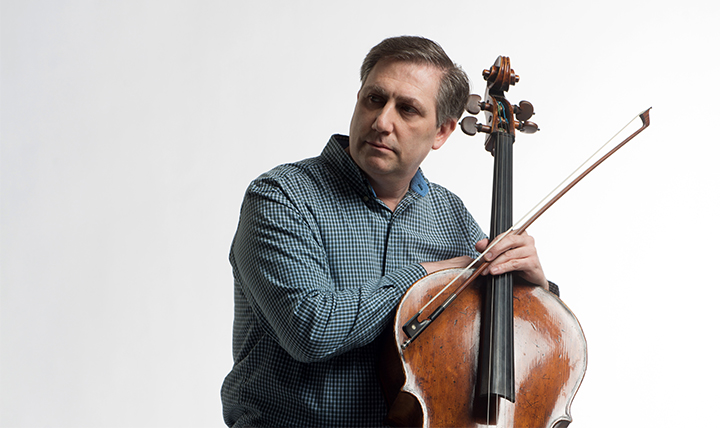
(384, 120)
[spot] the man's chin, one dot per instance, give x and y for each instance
(374, 168)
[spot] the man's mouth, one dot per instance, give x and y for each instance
(378, 145)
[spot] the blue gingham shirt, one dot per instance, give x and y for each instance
(320, 264)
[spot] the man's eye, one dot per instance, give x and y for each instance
(374, 99)
(409, 109)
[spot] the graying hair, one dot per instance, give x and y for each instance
(454, 85)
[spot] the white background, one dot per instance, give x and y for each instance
(131, 129)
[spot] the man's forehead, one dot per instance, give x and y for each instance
(421, 66)
(425, 77)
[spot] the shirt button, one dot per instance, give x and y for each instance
(365, 198)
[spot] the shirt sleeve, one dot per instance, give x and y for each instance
(282, 269)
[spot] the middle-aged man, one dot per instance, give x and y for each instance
(326, 247)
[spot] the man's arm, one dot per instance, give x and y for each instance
(282, 268)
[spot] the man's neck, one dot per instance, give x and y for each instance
(390, 193)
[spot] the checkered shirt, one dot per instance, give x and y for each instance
(320, 264)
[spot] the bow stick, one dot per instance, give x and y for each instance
(414, 327)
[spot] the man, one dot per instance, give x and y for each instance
(326, 247)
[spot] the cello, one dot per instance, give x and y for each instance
(493, 351)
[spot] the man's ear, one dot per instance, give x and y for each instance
(443, 132)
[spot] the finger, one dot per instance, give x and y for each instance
(503, 265)
(511, 265)
(518, 251)
(529, 268)
(504, 244)
(481, 245)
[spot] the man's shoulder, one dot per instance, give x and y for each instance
(299, 174)
(306, 176)
(305, 168)
(440, 191)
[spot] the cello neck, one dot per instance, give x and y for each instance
(496, 361)
(501, 218)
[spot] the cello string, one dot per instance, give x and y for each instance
(490, 351)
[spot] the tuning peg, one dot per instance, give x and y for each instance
(527, 127)
(524, 111)
(470, 126)
(473, 104)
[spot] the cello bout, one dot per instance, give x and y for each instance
(439, 370)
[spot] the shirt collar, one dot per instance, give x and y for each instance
(419, 183)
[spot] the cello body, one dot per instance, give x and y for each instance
(434, 381)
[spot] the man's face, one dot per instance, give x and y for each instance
(394, 127)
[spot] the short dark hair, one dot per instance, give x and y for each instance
(454, 84)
